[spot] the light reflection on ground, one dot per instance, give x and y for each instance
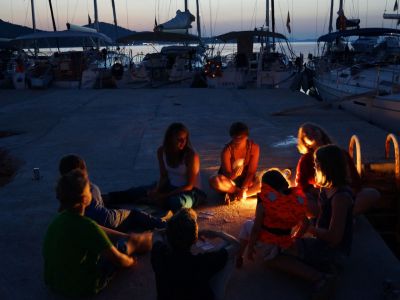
(289, 141)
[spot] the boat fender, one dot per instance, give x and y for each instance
(117, 70)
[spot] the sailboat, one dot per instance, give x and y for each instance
(176, 63)
(86, 68)
(356, 60)
(366, 76)
(268, 67)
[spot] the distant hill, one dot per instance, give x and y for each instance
(109, 30)
(10, 30)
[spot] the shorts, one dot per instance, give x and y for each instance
(268, 251)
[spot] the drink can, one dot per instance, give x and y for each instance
(36, 174)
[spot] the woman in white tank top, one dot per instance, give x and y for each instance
(179, 164)
(179, 183)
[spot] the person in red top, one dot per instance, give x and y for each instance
(279, 209)
(239, 161)
(310, 138)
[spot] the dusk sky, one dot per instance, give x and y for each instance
(309, 18)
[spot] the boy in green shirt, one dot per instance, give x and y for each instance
(77, 252)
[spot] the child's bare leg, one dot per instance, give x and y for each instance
(244, 237)
(139, 243)
(242, 249)
(223, 184)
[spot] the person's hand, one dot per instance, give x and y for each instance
(312, 230)
(242, 194)
(300, 229)
(251, 252)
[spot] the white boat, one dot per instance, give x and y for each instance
(274, 65)
(40, 75)
(383, 111)
(176, 63)
(246, 68)
(350, 73)
(68, 68)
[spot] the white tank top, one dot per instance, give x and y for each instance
(178, 176)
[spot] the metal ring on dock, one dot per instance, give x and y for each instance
(354, 140)
(392, 138)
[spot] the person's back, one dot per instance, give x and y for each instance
(181, 275)
(71, 251)
(282, 212)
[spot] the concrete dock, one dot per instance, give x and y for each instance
(118, 132)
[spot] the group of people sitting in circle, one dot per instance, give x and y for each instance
(305, 229)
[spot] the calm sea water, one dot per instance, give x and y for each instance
(298, 47)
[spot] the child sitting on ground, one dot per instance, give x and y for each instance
(279, 209)
(79, 258)
(121, 219)
(182, 275)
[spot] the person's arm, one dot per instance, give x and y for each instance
(255, 231)
(118, 258)
(193, 168)
(163, 170)
(231, 243)
(114, 234)
(252, 168)
(341, 203)
(226, 166)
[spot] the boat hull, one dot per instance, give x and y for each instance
(383, 111)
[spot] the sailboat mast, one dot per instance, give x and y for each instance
(33, 15)
(267, 15)
(115, 19)
(273, 22)
(96, 16)
(198, 19)
(52, 16)
(186, 9)
(341, 7)
(331, 17)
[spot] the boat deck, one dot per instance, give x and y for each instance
(118, 132)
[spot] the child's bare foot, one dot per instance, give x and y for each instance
(230, 198)
(239, 262)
